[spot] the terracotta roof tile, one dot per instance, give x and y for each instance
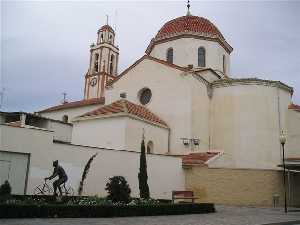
(294, 107)
(198, 159)
(14, 123)
(129, 108)
(189, 24)
(85, 102)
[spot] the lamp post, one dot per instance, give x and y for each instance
(282, 139)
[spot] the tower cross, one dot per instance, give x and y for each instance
(65, 97)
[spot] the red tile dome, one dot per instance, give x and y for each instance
(189, 24)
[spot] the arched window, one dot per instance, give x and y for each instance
(150, 147)
(170, 55)
(111, 68)
(201, 57)
(96, 62)
(224, 64)
(65, 118)
(101, 39)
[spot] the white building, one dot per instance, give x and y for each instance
(182, 96)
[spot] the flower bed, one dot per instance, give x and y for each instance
(47, 206)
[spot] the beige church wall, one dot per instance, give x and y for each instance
(71, 112)
(292, 145)
(200, 116)
(103, 133)
(164, 172)
(134, 132)
(185, 52)
(246, 125)
(171, 97)
(62, 131)
(240, 187)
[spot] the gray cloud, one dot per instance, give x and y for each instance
(45, 45)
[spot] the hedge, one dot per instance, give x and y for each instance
(76, 211)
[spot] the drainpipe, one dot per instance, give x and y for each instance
(169, 136)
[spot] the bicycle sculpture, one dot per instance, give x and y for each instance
(46, 189)
(60, 183)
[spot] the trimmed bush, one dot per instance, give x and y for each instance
(76, 211)
(118, 189)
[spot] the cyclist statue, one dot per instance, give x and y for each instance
(62, 177)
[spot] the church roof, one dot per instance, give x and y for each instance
(189, 26)
(194, 24)
(124, 107)
(106, 27)
(68, 105)
(294, 107)
(198, 158)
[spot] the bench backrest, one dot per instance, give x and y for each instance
(183, 193)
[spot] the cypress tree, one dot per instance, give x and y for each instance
(143, 177)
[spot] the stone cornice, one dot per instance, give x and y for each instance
(251, 81)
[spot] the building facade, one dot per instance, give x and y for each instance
(181, 96)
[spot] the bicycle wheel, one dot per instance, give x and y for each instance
(67, 191)
(42, 189)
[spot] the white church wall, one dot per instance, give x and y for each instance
(165, 172)
(103, 133)
(185, 52)
(171, 97)
(292, 146)
(134, 132)
(70, 112)
(246, 126)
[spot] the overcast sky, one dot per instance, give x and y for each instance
(45, 45)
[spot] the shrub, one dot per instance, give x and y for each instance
(84, 174)
(118, 190)
(142, 176)
(84, 211)
(5, 189)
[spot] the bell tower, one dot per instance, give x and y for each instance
(104, 56)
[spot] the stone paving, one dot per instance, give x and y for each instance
(225, 216)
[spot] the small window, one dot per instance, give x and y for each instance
(96, 67)
(65, 119)
(150, 147)
(101, 39)
(111, 64)
(145, 96)
(224, 64)
(201, 57)
(170, 55)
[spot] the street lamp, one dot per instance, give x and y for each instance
(282, 139)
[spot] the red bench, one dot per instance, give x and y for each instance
(183, 195)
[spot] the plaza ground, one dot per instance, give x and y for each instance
(225, 216)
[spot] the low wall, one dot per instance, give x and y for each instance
(235, 186)
(164, 172)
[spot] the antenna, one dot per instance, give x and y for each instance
(116, 20)
(106, 19)
(1, 97)
(65, 97)
(1, 91)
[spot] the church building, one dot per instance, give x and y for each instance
(218, 133)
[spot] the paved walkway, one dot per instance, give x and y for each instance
(224, 216)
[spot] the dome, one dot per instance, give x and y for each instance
(189, 24)
(106, 27)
